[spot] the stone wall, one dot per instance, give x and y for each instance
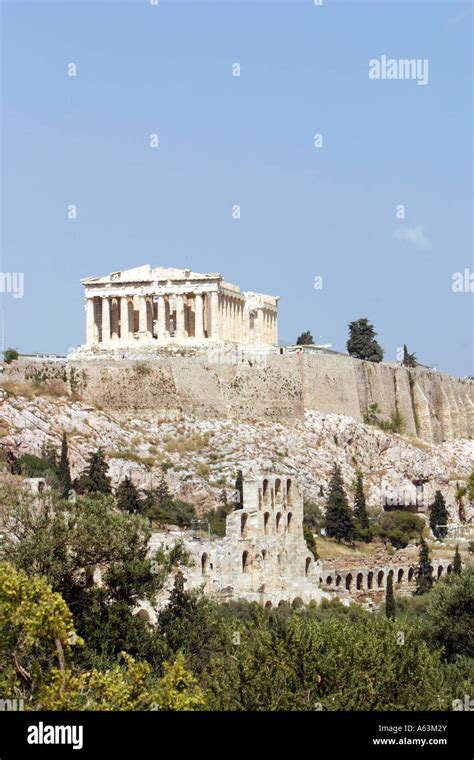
(435, 406)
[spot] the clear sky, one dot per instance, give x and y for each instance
(306, 211)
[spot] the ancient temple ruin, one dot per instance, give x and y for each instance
(157, 306)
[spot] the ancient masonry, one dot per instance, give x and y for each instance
(166, 307)
(264, 557)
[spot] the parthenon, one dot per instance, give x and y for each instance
(166, 306)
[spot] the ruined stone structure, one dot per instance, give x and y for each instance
(263, 557)
(164, 306)
(365, 580)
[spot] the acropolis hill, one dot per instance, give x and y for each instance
(175, 343)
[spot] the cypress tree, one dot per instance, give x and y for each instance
(338, 520)
(162, 493)
(424, 570)
(439, 516)
(64, 472)
(127, 496)
(95, 478)
(239, 487)
(390, 598)
(457, 564)
(361, 517)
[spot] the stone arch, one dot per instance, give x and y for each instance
(390, 572)
(282, 603)
(449, 569)
(400, 575)
(348, 581)
(329, 580)
(144, 615)
(338, 580)
(278, 523)
(307, 565)
(266, 518)
(359, 581)
(370, 579)
(411, 573)
(266, 493)
(243, 524)
(380, 577)
(440, 571)
(289, 522)
(278, 493)
(205, 564)
(268, 605)
(289, 492)
(264, 554)
(297, 602)
(245, 562)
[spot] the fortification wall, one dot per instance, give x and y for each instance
(435, 406)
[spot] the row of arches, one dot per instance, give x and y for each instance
(296, 603)
(246, 562)
(281, 524)
(373, 580)
(280, 494)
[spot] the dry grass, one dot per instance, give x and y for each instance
(184, 444)
(29, 391)
(327, 549)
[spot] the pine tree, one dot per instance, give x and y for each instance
(409, 360)
(362, 343)
(162, 493)
(390, 598)
(362, 523)
(95, 479)
(305, 339)
(457, 564)
(127, 496)
(439, 516)
(239, 487)
(64, 472)
(424, 570)
(338, 520)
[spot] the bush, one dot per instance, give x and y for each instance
(400, 528)
(10, 355)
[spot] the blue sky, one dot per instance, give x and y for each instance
(245, 140)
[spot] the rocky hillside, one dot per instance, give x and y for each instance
(201, 456)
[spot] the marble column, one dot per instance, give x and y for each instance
(215, 331)
(124, 331)
(161, 318)
(198, 324)
(105, 304)
(90, 322)
(115, 318)
(179, 332)
(142, 317)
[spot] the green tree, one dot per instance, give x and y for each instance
(409, 360)
(362, 343)
(239, 487)
(470, 487)
(310, 540)
(95, 479)
(313, 517)
(439, 516)
(424, 570)
(10, 355)
(305, 339)
(457, 564)
(361, 518)
(400, 528)
(447, 618)
(338, 520)
(390, 598)
(64, 472)
(127, 496)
